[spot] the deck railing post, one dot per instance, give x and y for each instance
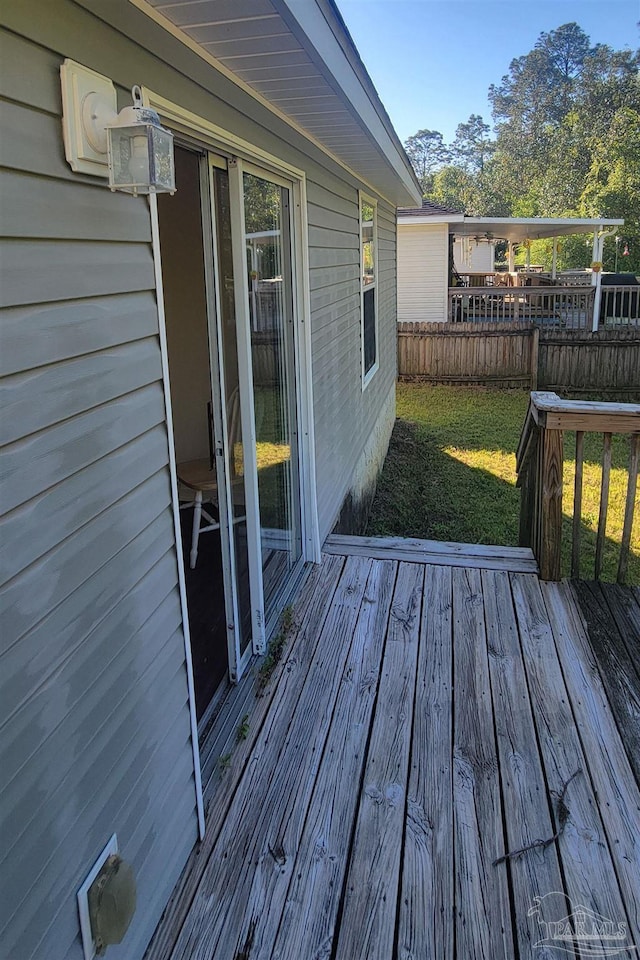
(550, 503)
(539, 467)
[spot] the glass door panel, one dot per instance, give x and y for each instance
(232, 449)
(267, 224)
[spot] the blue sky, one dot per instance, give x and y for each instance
(432, 61)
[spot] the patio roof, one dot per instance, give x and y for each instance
(518, 229)
(515, 229)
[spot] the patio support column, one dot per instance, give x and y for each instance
(554, 259)
(510, 256)
(596, 278)
(598, 258)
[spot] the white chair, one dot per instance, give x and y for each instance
(200, 477)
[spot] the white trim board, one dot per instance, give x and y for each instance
(368, 375)
(164, 353)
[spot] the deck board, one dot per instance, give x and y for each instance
(523, 783)
(615, 791)
(421, 724)
(467, 555)
(369, 904)
(254, 843)
(483, 925)
(626, 613)
(617, 667)
(426, 915)
(586, 860)
(310, 913)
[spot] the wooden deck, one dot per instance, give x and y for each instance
(425, 719)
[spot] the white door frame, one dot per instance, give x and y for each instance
(236, 660)
(247, 418)
(217, 140)
(164, 353)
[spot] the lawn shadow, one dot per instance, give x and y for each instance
(426, 493)
(481, 419)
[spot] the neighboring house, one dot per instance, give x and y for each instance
(423, 261)
(432, 239)
(265, 287)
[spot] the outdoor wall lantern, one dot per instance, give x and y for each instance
(131, 147)
(140, 151)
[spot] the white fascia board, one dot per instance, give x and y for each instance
(545, 221)
(425, 221)
(317, 30)
(534, 228)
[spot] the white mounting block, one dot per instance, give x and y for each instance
(89, 102)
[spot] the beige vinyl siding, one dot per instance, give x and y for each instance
(333, 232)
(345, 413)
(422, 272)
(95, 733)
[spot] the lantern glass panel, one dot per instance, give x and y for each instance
(162, 177)
(141, 159)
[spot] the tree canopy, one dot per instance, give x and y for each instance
(565, 141)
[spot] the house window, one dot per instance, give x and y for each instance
(369, 309)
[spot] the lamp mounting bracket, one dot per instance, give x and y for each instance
(89, 102)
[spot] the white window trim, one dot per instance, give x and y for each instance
(368, 376)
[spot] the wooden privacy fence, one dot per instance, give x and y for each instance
(579, 361)
(517, 354)
(265, 357)
(493, 353)
(539, 465)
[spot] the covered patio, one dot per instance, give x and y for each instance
(573, 299)
(436, 710)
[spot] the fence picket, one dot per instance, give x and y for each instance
(517, 353)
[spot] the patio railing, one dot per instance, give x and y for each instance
(539, 465)
(620, 306)
(568, 308)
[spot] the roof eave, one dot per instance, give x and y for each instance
(321, 25)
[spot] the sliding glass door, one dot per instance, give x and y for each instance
(269, 279)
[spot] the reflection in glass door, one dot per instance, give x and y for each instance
(267, 225)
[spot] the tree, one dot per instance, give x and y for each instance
(472, 146)
(567, 143)
(427, 152)
(612, 185)
(456, 188)
(565, 51)
(540, 86)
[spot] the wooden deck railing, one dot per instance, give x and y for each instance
(565, 307)
(539, 465)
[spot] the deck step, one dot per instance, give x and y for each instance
(443, 553)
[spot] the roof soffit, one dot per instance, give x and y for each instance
(267, 46)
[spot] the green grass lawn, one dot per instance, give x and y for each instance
(450, 475)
